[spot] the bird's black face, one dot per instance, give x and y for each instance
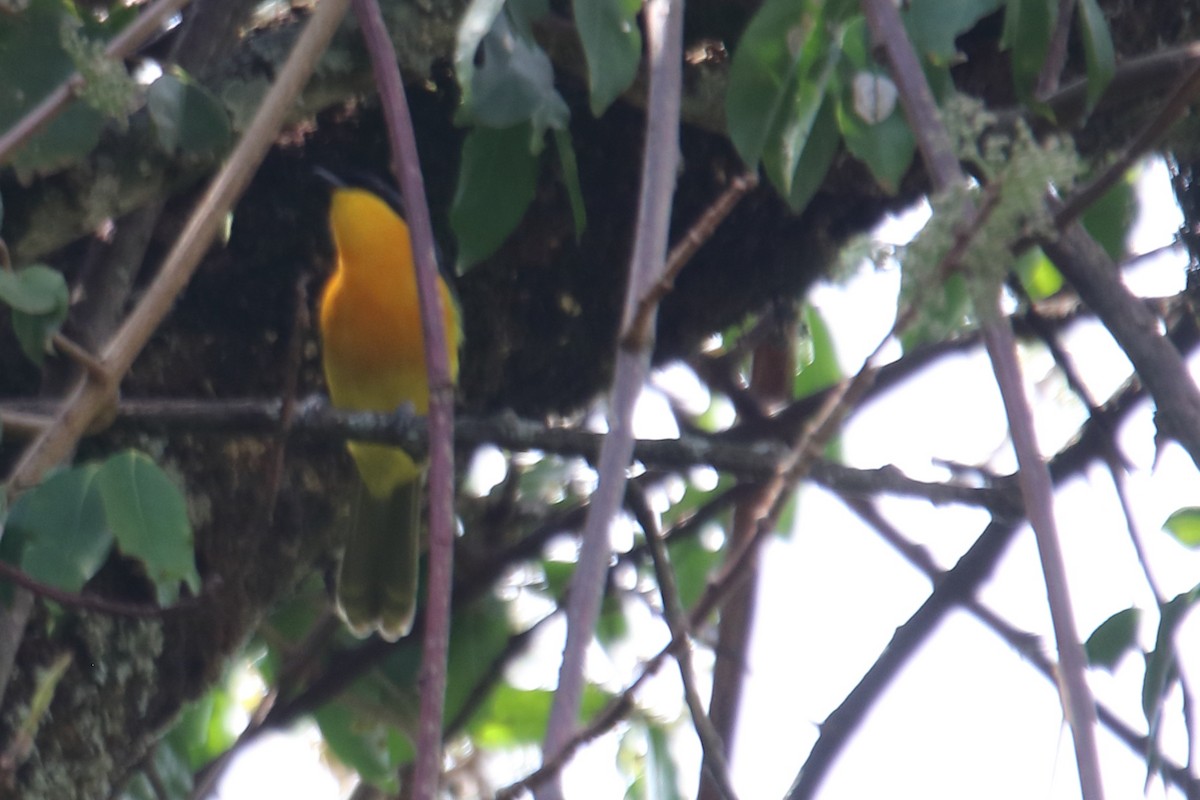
(350, 178)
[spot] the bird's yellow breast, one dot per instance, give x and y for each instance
(373, 344)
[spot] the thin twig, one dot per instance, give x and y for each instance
(298, 661)
(815, 437)
(640, 334)
(664, 42)
(887, 29)
(772, 374)
(960, 581)
(147, 24)
(751, 459)
(1095, 277)
(1135, 539)
(1023, 642)
(516, 646)
(77, 353)
(85, 602)
(157, 785)
(676, 618)
(17, 422)
(956, 584)
(1038, 492)
(436, 639)
(1136, 77)
(1176, 106)
(1056, 54)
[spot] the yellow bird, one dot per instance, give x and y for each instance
(374, 358)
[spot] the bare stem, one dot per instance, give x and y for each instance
(664, 41)
(436, 641)
(887, 30)
(1056, 55)
(715, 763)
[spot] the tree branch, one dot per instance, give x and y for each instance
(716, 767)
(1095, 277)
(315, 420)
(664, 46)
(1024, 643)
(440, 491)
(956, 585)
(933, 141)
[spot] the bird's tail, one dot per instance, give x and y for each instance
(377, 581)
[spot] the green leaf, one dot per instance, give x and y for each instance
(514, 716)
(187, 116)
(933, 25)
(777, 50)
(662, 774)
(496, 182)
(819, 367)
(1161, 662)
(292, 618)
(816, 157)
(788, 157)
(884, 143)
(148, 517)
(524, 13)
(62, 524)
(478, 636)
(569, 167)
(558, 577)
(207, 727)
(368, 748)
(1109, 218)
(172, 777)
(35, 331)
(946, 309)
(1027, 28)
(1039, 277)
(1115, 637)
(1097, 50)
(513, 81)
(717, 416)
(511, 717)
(786, 525)
(33, 290)
(476, 21)
(1184, 525)
(613, 625)
(612, 44)
(692, 563)
(39, 298)
(693, 498)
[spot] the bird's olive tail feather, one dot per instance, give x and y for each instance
(377, 582)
